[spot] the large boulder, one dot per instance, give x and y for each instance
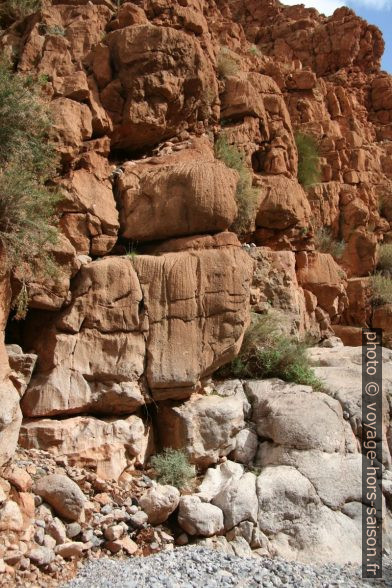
(279, 415)
(238, 501)
(298, 525)
(180, 196)
(166, 320)
(199, 518)
(205, 426)
(160, 95)
(159, 502)
(63, 494)
(107, 446)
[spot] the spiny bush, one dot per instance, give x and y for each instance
(382, 289)
(385, 258)
(246, 194)
(172, 467)
(227, 63)
(27, 162)
(11, 10)
(268, 353)
(325, 243)
(308, 160)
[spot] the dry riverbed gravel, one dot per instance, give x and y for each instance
(198, 567)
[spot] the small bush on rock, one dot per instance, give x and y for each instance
(325, 243)
(385, 258)
(11, 10)
(246, 194)
(382, 289)
(27, 161)
(173, 467)
(227, 63)
(308, 160)
(268, 353)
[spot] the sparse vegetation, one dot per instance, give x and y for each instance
(268, 353)
(308, 160)
(27, 161)
(385, 258)
(325, 243)
(227, 63)
(253, 50)
(132, 251)
(172, 467)
(246, 194)
(11, 10)
(55, 30)
(382, 289)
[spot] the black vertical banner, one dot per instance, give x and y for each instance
(371, 445)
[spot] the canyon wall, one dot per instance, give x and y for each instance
(117, 354)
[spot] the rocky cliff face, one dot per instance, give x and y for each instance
(155, 287)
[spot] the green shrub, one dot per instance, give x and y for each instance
(308, 160)
(246, 194)
(11, 10)
(382, 289)
(254, 50)
(385, 258)
(27, 161)
(268, 353)
(227, 63)
(325, 243)
(55, 30)
(173, 467)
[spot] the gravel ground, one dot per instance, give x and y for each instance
(198, 567)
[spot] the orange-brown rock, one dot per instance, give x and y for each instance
(181, 196)
(99, 352)
(161, 95)
(283, 204)
(320, 275)
(107, 445)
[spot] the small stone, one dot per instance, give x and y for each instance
(18, 478)
(71, 549)
(139, 519)
(107, 509)
(39, 536)
(73, 529)
(2, 566)
(49, 542)
(128, 545)
(41, 556)
(114, 532)
(11, 518)
(12, 557)
(87, 535)
(56, 529)
(182, 539)
(24, 563)
(132, 509)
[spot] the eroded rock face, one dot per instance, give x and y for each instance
(205, 427)
(109, 342)
(177, 196)
(160, 93)
(106, 445)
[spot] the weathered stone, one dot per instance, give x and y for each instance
(238, 501)
(63, 494)
(205, 427)
(104, 445)
(159, 502)
(198, 518)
